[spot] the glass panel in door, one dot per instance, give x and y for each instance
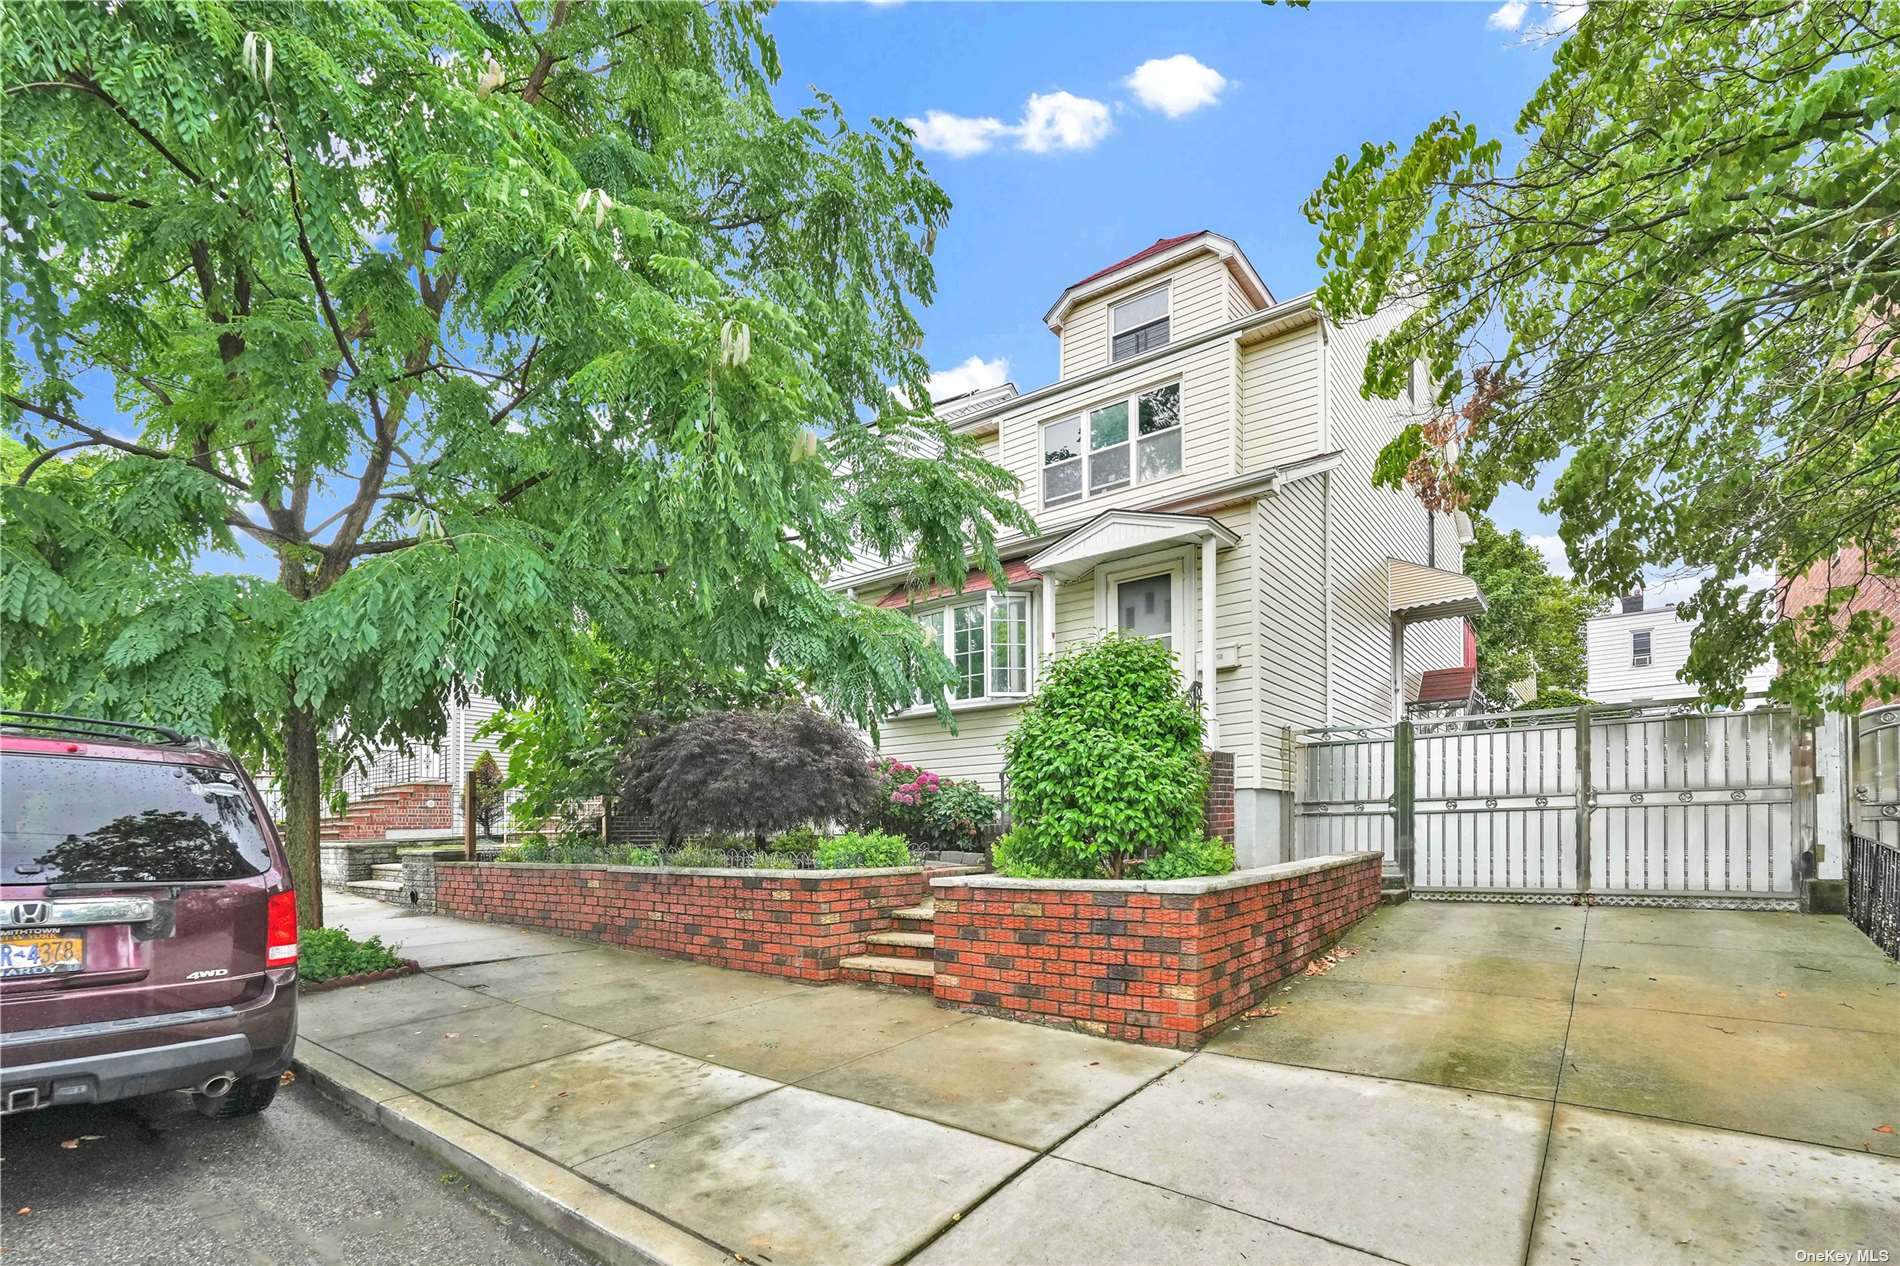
(1145, 608)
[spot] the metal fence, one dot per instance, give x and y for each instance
(1661, 803)
(1873, 891)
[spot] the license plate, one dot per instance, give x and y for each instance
(40, 953)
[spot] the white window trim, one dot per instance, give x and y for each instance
(1177, 564)
(1132, 400)
(1166, 288)
(1031, 648)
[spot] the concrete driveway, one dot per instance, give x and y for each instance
(1465, 1083)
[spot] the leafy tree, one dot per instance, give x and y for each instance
(1105, 768)
(1687, 284)
(757, 772)
(560, 757)
(500, 328)
(1534, 623)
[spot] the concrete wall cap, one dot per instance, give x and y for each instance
(1166, 887)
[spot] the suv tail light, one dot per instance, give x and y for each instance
(280, 930)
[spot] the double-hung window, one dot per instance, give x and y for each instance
(1131, 440)
(987, 640)
(1639, 649)
(1139, 324)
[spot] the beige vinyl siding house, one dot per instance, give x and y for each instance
(1209, 484)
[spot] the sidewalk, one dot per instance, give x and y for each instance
(657, 1110)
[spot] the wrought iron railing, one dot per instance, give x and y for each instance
(1873, 891)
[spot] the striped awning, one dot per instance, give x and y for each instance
(1430, 593)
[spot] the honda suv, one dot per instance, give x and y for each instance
(148, 931)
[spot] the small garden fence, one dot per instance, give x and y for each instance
(1873, 891)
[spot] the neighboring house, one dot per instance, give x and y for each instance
(1871, 593)
(418, 792)
(1200, 473)
(1635, 654)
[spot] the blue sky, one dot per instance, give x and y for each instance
(1062, 154)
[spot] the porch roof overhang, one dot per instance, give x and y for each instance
(1117, 533)
(1430, 593)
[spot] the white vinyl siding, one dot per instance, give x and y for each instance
(1610, 647)
(1368, 525)
(1280, 399)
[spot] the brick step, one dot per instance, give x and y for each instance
(883, 969)
(913, 945)
(381, 889)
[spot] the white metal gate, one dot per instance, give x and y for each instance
(1875, 775)
(1680, 806)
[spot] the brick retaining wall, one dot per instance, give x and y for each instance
(781, 923)
(1161, 962)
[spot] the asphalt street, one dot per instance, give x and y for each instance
(305, 1183)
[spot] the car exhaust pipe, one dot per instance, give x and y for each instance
(218, 1087)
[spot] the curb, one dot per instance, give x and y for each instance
(587, 1216)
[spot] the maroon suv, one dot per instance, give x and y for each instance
(148, 931)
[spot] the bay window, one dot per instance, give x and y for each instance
(987, 640)
(1116, 453)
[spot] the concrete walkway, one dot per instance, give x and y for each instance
(1465, 1084)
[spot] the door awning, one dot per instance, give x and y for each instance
(1116, 533)
(1430, 593)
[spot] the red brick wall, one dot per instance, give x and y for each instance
(780, 924)
(1220, 795)
(1165, 966)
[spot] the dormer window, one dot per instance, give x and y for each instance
(1139, 324)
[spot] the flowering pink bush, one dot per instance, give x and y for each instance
(929, 810)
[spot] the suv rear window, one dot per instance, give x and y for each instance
(86, 821)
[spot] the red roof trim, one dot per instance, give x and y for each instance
(1165, 244)
(976, 582)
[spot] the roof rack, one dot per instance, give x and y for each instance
(91, 728)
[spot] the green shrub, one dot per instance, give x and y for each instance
(777, 861)
(863, 849)
(326, 953)
(801, 839)
(534, 848)
(633, 855)
(1210, 856)
(1104, 767)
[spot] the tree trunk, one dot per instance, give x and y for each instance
(303, 813)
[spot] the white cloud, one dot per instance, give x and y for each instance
(1552, 548)
(958, 135)
(1052, 121)
(974, 374)
(1564, 14)
(1176, 85)
(1060, 120)
(1507, 16)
